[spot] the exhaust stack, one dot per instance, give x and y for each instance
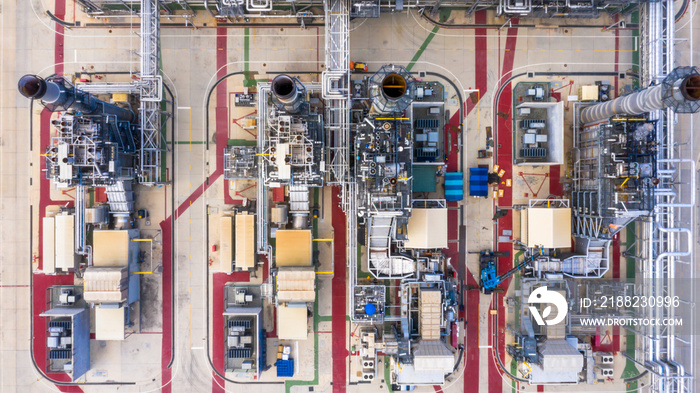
(391, 89)
(680, 91)
(288, 92)
(57, 95)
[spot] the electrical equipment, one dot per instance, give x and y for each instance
(293, 142)
(616, 177)
(382, 166)
(244, 100)
(369, 303)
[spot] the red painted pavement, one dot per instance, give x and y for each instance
(338, 323)
(41, 282)
(480, 55)
(471, 366)
(505, 161)
(617, 55)
(555, 187)
(471, 370)
(60, 12)
(166, 280)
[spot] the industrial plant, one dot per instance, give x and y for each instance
(349, 196)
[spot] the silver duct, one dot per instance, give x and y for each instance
(56, 94)
(680, 90)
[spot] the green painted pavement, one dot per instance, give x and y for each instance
(444, 14)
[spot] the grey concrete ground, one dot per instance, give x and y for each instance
(189, 65)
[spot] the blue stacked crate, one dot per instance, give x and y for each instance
(454, 186)
(263, 350)
(478, 182)
(285, 368)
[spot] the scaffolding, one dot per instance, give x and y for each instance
(663, 245)
(336, 90)
(151, 95)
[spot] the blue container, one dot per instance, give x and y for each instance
(370, 309)
(478, 182)
(285, 368)
(454, 186)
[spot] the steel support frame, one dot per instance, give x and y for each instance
(336, 91)
(151, 94)
(660, 248)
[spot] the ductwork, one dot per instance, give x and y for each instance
(680, 91)
(56, 94)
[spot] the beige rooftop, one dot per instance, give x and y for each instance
(427, 228)
(110, 248)
(292, 323)
(549, 227)
(296, 285)
(109, 323)
(293, 247)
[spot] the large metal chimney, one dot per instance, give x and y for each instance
(391, 89)
(680, 91)
(288, 92)
(57, 95)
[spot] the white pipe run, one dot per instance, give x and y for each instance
(643, 101)
(647, 100)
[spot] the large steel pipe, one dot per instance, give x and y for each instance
(55, 95)
(680, 91)
(391, 89)
(286, 92)
(393, 86)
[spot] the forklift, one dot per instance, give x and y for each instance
(489, 274)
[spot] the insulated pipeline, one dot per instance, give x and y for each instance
(643, 101)
(56, 94)
(679, 91)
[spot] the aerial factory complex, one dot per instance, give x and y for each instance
(481, 196)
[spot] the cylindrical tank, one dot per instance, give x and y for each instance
(680, 91)
(391, 89)
(300, 220)
(288, 92)
(55, 95)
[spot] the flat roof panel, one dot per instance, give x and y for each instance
(245, 241)
(427, 228)
(549, 227)
(65, 242)
(110, 248)
(109, 323)
(49, 246)
(226, 244)
(293, 247)
(292, 323)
